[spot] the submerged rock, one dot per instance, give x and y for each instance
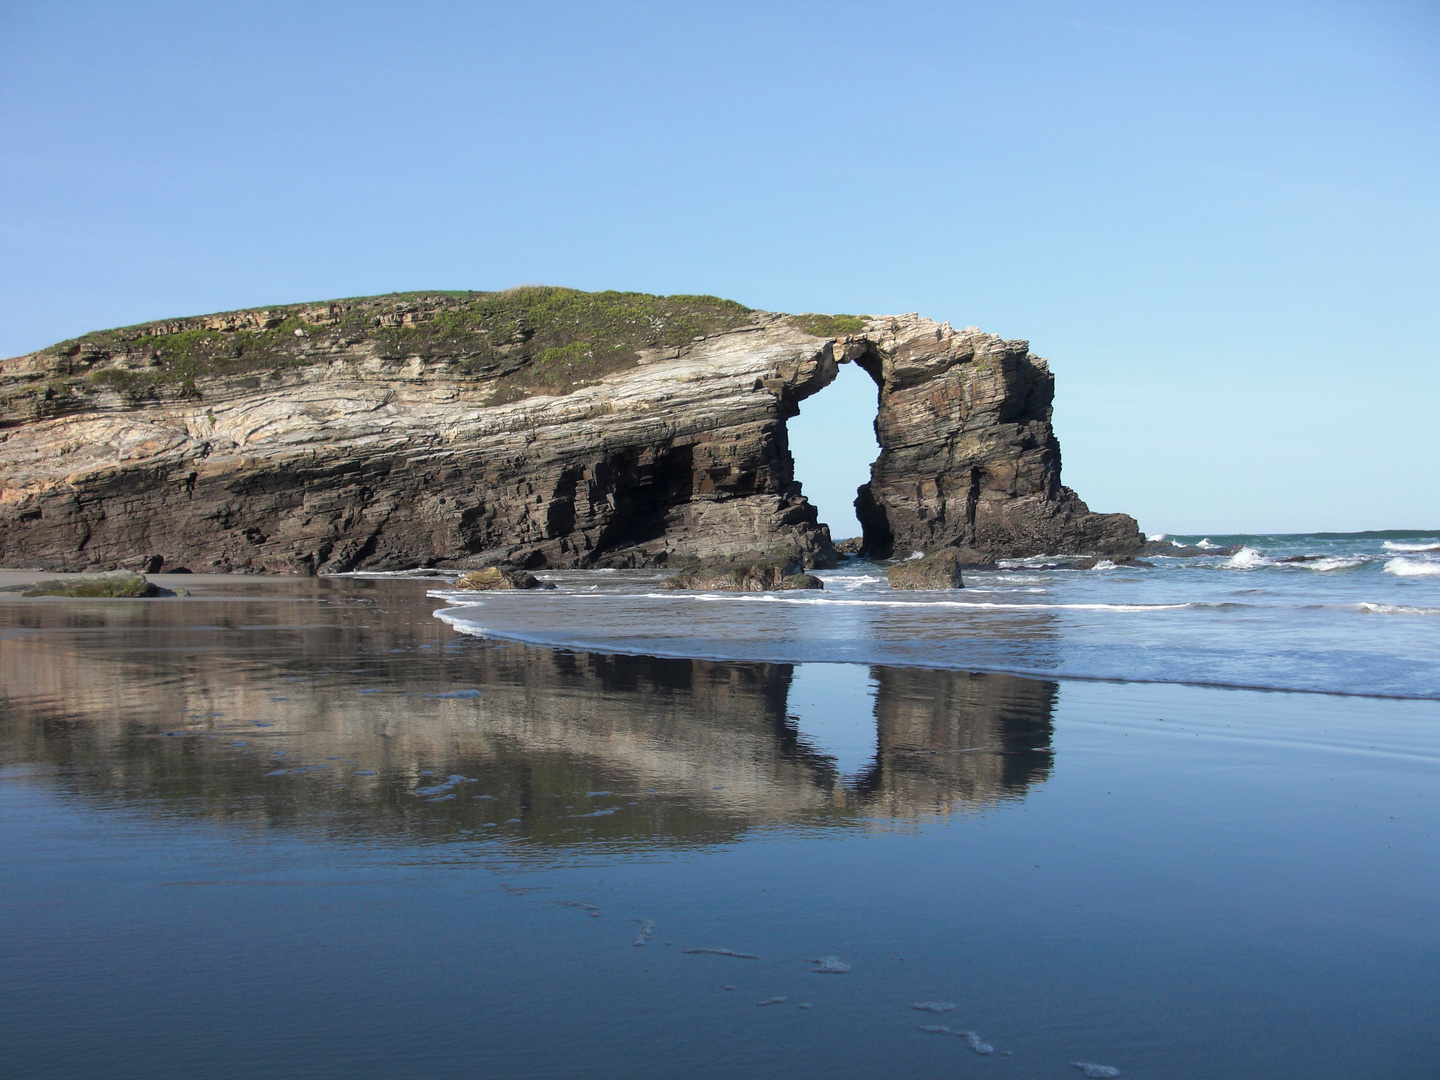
(500, 577)
(938, 571)
(113, 583)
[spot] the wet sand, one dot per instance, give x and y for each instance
(301, 827)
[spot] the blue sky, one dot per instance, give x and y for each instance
(1219, 222)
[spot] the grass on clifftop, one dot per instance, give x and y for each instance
(529, 340)
(828, 325)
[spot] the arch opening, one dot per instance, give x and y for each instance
(833, 444)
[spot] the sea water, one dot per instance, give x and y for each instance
(1350, 614)
(306, 828)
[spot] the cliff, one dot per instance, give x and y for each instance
(544, 427)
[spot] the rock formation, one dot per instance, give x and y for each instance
(537, 427)
(967, 456)
(940, 570)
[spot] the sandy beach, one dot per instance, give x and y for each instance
(517, 860)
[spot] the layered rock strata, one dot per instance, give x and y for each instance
(968, 458)
(393, 432)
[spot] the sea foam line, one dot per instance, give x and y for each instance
(981, 605)
(453, 597)
(667, 649)
(1397, 609)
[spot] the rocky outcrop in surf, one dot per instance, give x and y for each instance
(532, 428)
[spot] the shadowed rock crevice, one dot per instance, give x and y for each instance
(385, 434)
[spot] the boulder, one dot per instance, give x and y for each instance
(500, 577)
(114, 584)
(768, 576)
(938, 571)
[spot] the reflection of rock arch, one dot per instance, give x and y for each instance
(714, 738)
(948, 739)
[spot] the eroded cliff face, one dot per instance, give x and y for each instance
(386, 433)
(968, 458)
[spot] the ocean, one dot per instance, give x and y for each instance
(1150, 822)
(1355, 613)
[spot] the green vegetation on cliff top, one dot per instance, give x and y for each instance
(522, 341)
(828, 325)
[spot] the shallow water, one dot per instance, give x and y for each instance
(1359, 615)
(306, 829)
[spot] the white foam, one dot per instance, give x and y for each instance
(1205, 543)
(1397, 609)
(1096, 1072)
(1104, 564)
(933, 1006)
(1247, 558)
(830, 965)
(973, 1040)
(1154, 538)
(1412, 568)
(981, 605)
(914, 555)
(1333, 563)
(1396, 545)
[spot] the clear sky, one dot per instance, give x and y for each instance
(1221, 222)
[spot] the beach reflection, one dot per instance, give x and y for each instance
(344, 707)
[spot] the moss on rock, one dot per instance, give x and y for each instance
(113, 584)
(499, 577)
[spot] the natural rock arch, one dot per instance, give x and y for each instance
(382, 438)
(968, 457)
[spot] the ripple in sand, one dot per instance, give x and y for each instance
(721, 952)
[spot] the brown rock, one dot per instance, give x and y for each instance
(968, 458)
(113, 584)
(499, 577)
(774, 575)
(938, 571)
(389, 436)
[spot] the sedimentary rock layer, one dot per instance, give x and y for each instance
(968, 458)
(538, 427)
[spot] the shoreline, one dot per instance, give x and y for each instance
(285, 587)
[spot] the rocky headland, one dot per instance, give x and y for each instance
(537, 427)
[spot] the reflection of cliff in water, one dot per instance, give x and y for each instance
(333, 705)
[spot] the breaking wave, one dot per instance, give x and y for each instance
(1412, 568)
(1247, 558)
(1397, 609)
